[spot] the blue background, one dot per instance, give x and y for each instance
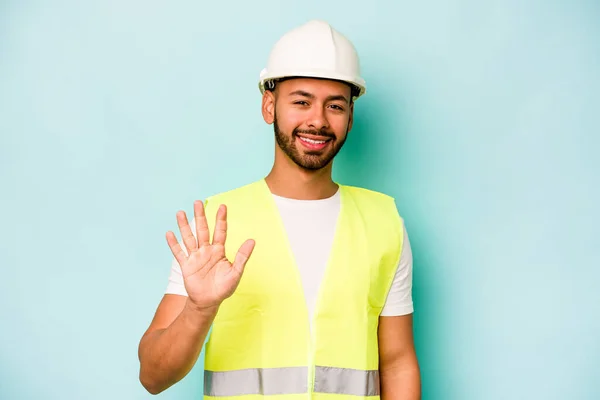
(481, 117)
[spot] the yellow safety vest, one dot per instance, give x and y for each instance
(262, 342)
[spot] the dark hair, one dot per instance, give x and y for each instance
(271, 84)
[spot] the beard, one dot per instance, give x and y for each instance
(308, 160)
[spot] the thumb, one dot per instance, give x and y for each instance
(243, 254)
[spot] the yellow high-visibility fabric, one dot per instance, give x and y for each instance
(264, 325)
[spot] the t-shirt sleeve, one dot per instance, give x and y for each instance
(175, 284)
(399, 300)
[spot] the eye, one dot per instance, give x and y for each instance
(301, 102)
(337, 107)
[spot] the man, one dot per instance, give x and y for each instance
(305, 283)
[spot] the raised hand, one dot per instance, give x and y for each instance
(208, 275)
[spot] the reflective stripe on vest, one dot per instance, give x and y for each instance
(267, 381)
(293, 380)
(346, 381)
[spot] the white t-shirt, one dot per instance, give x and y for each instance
(310, 227)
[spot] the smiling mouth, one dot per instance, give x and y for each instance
(313, 141)
(314, 144)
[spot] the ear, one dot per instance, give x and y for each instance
(268, 107)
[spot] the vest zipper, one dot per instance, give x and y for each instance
(311, 367)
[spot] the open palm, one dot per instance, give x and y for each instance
(208, 275)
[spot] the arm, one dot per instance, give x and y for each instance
(398, 366)
(172, 344)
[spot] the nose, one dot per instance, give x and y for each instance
(318, 119)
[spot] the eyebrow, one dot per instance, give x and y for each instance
(312, 96)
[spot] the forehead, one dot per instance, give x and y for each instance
(317, 87)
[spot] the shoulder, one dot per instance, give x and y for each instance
(375, 206)
(239, 192)
(239, 201)
(366, 191)
(364, 196)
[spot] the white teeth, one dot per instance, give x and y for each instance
(313, 141)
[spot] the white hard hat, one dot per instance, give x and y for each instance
(314, 50)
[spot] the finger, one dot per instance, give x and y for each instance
(186, 232)
(220, 233)
(243, 254)
(201, 224)
(176, 249)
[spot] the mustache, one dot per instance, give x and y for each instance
(321, 132)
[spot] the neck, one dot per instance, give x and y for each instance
(286, 179)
